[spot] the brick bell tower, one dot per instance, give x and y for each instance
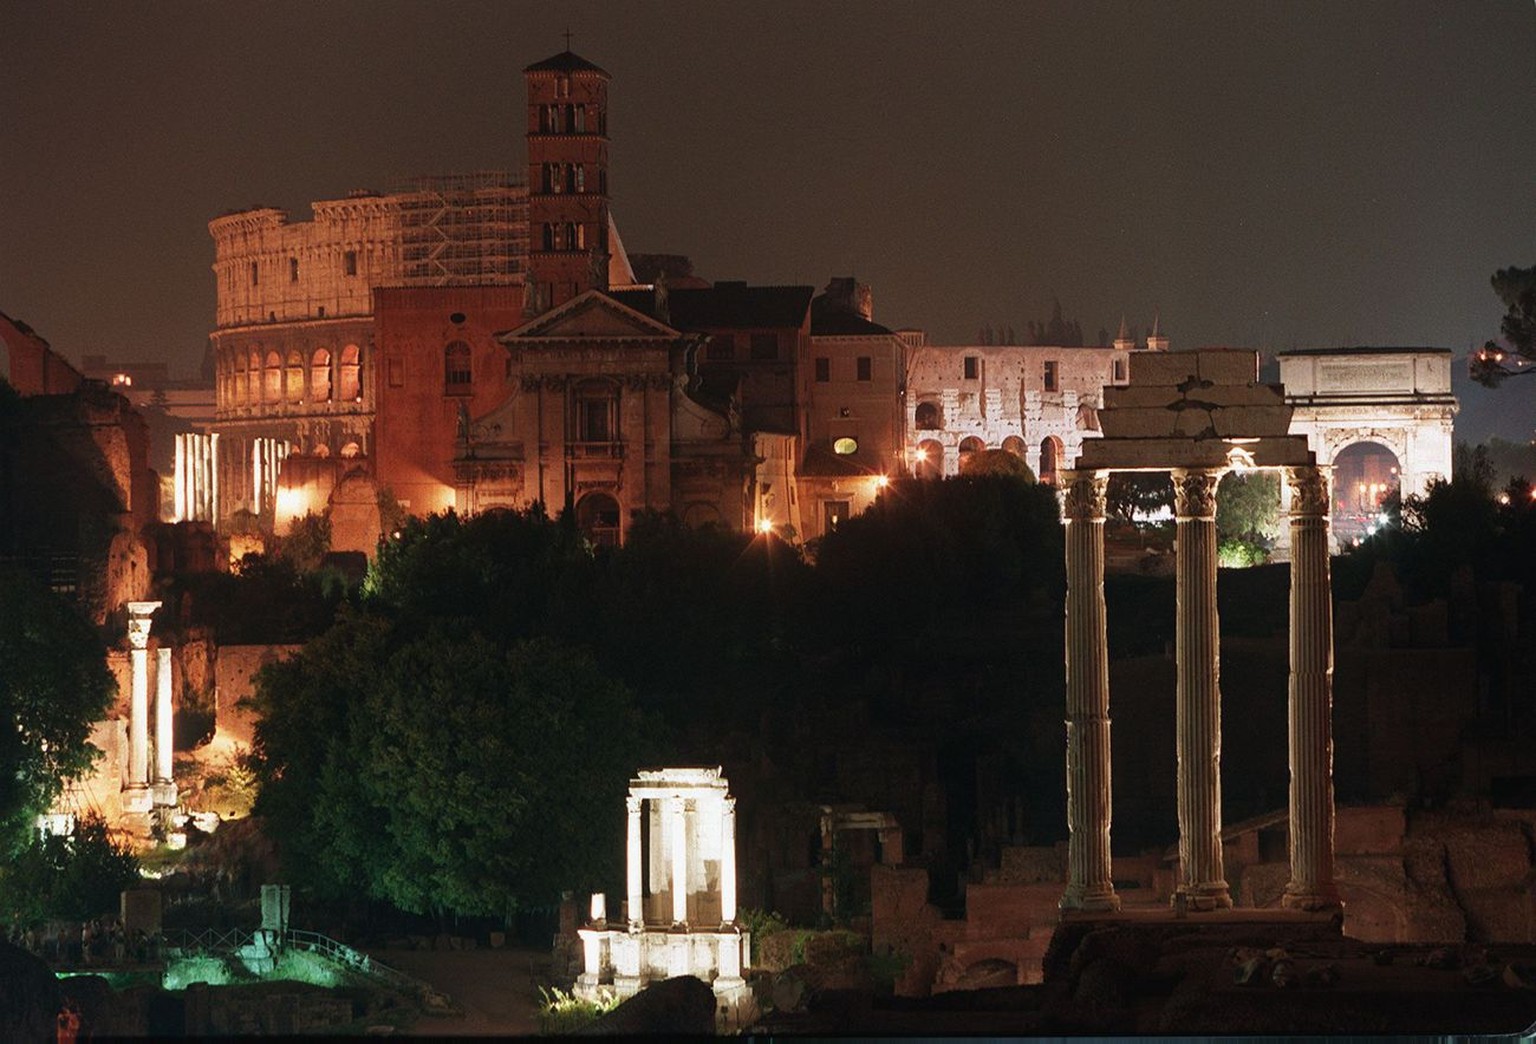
(567, 180)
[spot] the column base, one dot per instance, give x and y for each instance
(138, 799)
(1100, 899)
(163, 794)
(1205, 897)
(1313, 899)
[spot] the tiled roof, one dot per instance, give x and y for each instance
(726, 306)
(843, 324)
(565, 61)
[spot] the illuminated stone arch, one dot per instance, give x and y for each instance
(320, 375)
(930, 460)
(969, 446)
(1015, 444)
(1050, 459)
(350, 385)
(295, 376)
(929, 416)
(272, 378)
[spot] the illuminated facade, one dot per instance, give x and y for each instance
(1037, 402)
(1380, 417)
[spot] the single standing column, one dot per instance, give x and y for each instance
(728, 862)
(1089, 882)
(165, 786)
(632, 866)
(679, 861)
(1311, 696)
(1202, 883)
(137, 798)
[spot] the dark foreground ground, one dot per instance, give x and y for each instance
(1184, 977)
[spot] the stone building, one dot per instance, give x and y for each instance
(1038, 402)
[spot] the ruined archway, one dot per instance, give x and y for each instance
(1050, 459)
(929, 463)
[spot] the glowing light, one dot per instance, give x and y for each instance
(291, 502)
(919, 454)
(765, 525)
(881, 481)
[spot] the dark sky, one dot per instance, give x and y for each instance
(1266, 175)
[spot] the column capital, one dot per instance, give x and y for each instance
(1194, 493)
(1307, 490)
(139, 620)
(1084, 495)
(632, 804)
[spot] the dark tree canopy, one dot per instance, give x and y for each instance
(54, 686)
(1496, 362)
(1130, 493)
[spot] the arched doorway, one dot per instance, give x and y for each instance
(1366, 480)
(1050, 459)
(1015, 444)
(930, 460)
(969, 446)
(929, 417)
(597, 515)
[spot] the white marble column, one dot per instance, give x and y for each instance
(728, 861)
(1311, 696)
(1202, 883)
(633, 866)
(1090, 885)
(137, 798)
(679, 826)
(165, 786)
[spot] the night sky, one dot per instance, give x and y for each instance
(1266, 175)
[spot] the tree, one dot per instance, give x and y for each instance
(453, 776)
(1248, 506)
(1130, 493)
(1496, 362)
(54, 686)
(68, 878)
(996, 462)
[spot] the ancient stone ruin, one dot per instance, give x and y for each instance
(679, 917)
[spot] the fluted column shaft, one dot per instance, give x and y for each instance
(163, 740)
(728, 861)
(632, 864)
(1090, 885)
(1311, 696)
(138, 720)
(679, 814)
(1202, 882)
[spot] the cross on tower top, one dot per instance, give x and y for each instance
(567, 35)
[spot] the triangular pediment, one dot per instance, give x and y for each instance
(589, 316)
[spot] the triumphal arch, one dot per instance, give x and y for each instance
(1380, 417)
(1198, 415)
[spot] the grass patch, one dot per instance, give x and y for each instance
(564, 1013)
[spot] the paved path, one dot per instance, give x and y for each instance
(497, 989)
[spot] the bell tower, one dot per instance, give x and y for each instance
(567, 180)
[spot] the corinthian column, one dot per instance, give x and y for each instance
(1202, 882)
(137, 799)
(1089, 883)
(165, 786)
(1311, 696)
